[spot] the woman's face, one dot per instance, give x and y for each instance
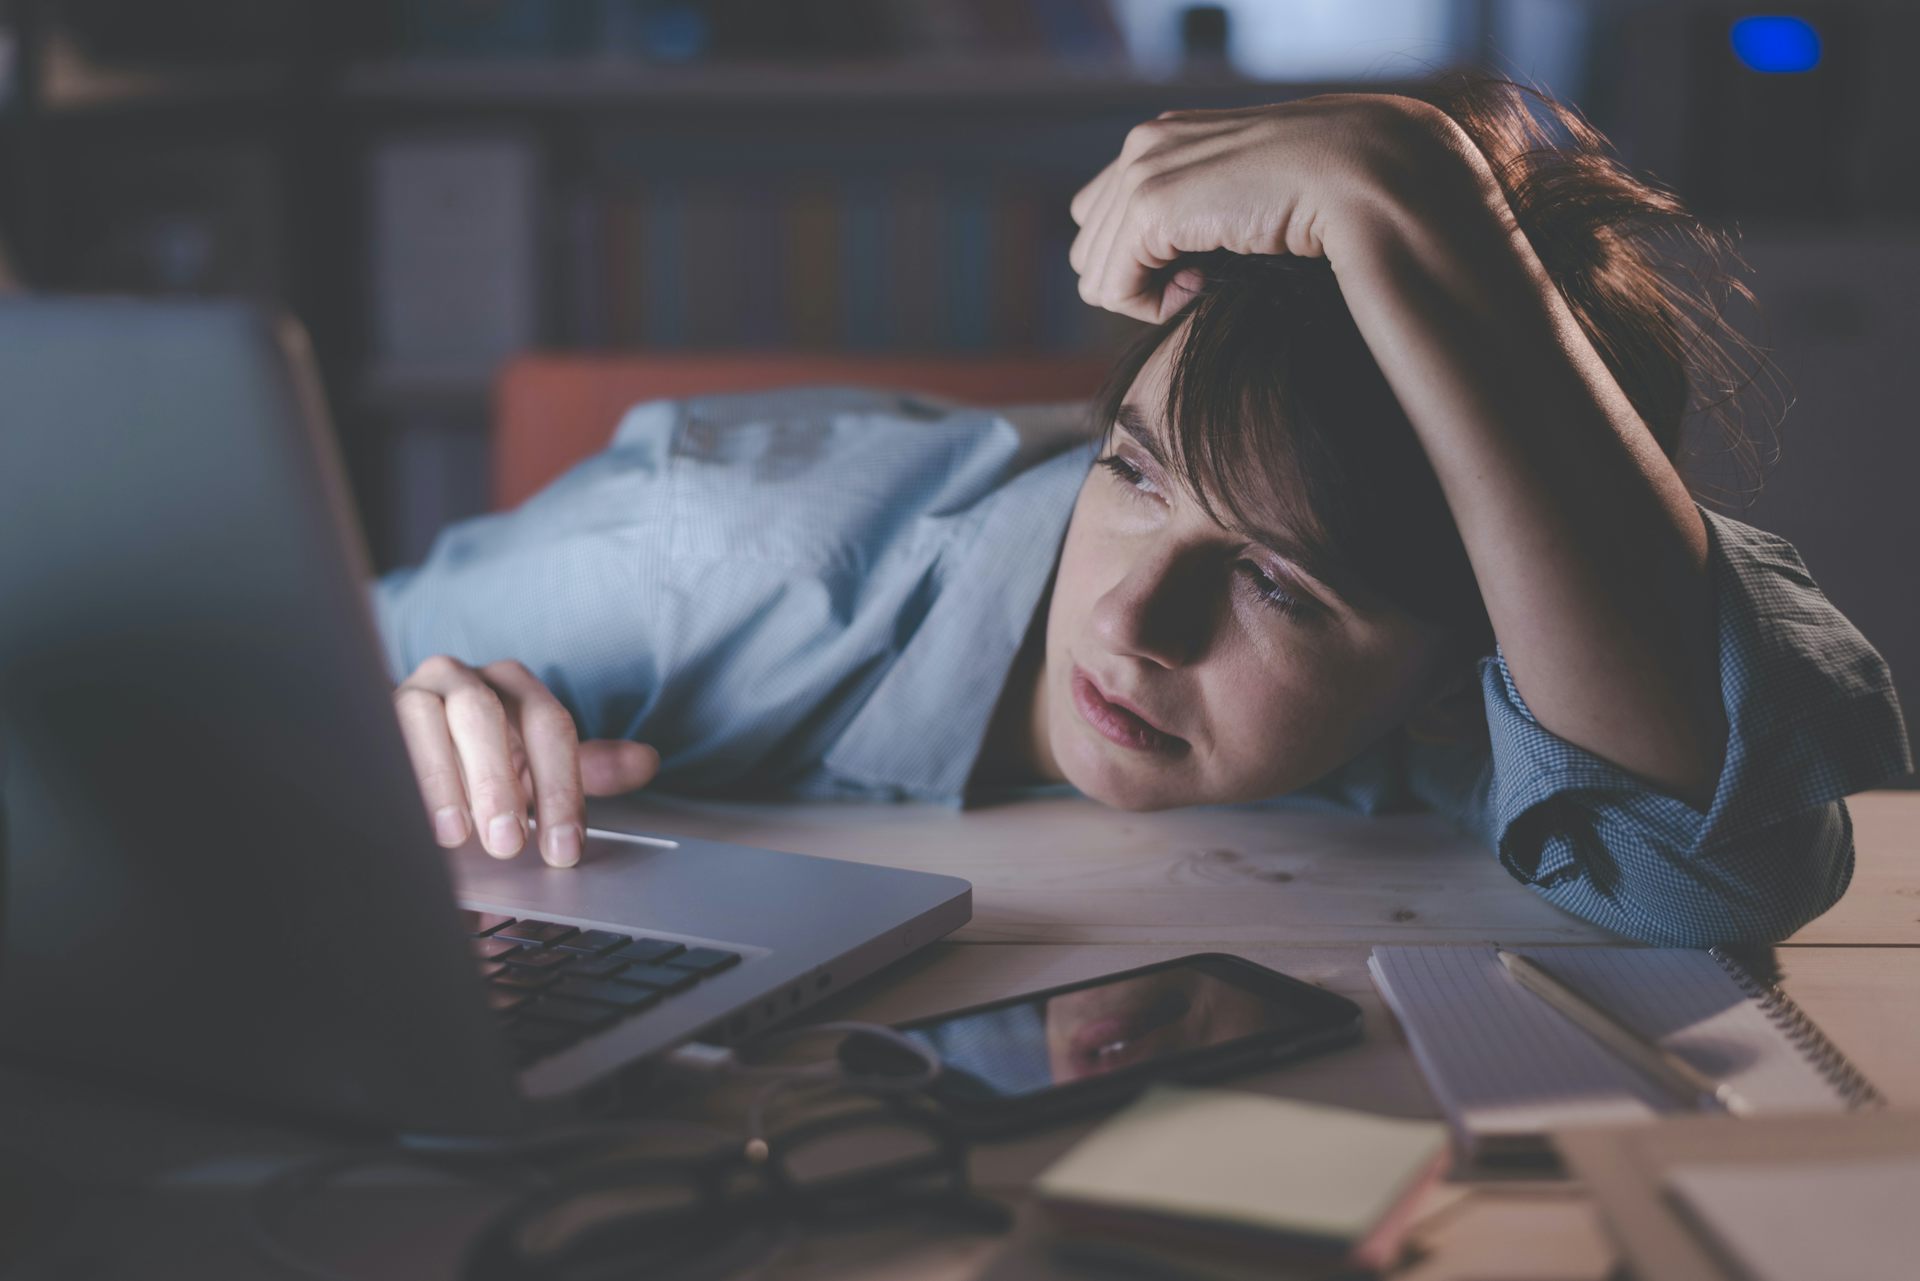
(1189, 664)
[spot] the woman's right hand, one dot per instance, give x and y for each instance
(492, 748)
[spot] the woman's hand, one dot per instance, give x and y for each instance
(1256, 180)
(492, 745)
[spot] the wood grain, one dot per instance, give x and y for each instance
(1066, 870)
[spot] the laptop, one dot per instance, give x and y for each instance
(218, 870)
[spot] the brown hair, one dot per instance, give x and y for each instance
(1278, 414)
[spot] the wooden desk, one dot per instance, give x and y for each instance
(1063, 890)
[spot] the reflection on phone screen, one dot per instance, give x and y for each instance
(1071, 1036)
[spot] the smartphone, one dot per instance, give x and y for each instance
(1029, 1060)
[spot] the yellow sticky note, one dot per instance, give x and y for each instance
(1227, 1156)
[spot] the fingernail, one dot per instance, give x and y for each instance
(563, 845)
(450, 825)
(505, 835)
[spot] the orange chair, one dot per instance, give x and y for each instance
(551, 411)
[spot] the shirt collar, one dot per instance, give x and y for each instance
(921, 729)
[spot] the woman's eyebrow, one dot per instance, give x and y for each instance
(1326, 570)
(1134, 423)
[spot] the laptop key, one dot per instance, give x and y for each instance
(663, 978)
(539, 933)
(525, 980)
(648, 951)
(493, 949)
(504, 1000)
(604, 992)
(594, 942)
(532, 958)
(490, 968)
(597, 967)
(707, 960)
(480, 924)
(579, 1014)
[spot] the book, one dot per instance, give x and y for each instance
(455, 234)
(1712, 1198)
(1506, 1067)
(1218, 1182)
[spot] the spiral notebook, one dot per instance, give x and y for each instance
(1506, 1067)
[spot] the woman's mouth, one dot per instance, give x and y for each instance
(1134, 1034)
(1118, 724)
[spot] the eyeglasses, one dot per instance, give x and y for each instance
(706, 1210)
(671, 1200)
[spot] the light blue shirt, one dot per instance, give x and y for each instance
(821, 592)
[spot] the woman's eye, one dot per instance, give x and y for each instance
(1129, 475)
(1269, 591)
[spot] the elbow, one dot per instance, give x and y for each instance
(1793, 872)
(1773, 883)
(1756, 889)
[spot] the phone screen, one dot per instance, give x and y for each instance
(1021, 1048)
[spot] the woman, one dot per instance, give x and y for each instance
(1384, 514)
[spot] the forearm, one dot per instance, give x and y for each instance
(1588, 551)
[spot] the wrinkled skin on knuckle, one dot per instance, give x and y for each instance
(443, 781)
(1141, 137)
(507, 669)
(495, 794)
(546, 717)
(474, 708)
(415, 701)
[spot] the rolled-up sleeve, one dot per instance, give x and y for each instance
(1811, 717)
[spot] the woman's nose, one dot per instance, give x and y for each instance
(1154, 612)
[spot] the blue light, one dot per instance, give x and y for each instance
(1776, 45)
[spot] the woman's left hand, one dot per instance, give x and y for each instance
(1257, 180)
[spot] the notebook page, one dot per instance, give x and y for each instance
(1799, 1219)
(1498, 1059)
(1687, 1002)
(1502, 1061)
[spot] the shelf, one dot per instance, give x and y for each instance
(73, 85)
(600, 82)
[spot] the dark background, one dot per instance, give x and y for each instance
(432, 185)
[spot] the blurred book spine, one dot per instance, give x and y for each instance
(455, 230)
(889, 260)
(679, 31)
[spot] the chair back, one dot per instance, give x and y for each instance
(551, 411)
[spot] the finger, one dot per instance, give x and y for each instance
(1144, 141)
(478, 722)
(1094, 235)
(1082, 202)
(1091, 200)
(609, 767)
(517, 756)
(553, 755)
(1179, 291)
(1127, 280)
(423, 727)
(1096, 280)
(1098, 219)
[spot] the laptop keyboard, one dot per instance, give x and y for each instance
(552, 984)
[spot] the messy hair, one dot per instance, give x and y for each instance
(1277, 414)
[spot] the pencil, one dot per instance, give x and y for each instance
(1685, 1081)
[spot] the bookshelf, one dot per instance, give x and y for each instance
(852, 206)
(563, 83)
(426, 215)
